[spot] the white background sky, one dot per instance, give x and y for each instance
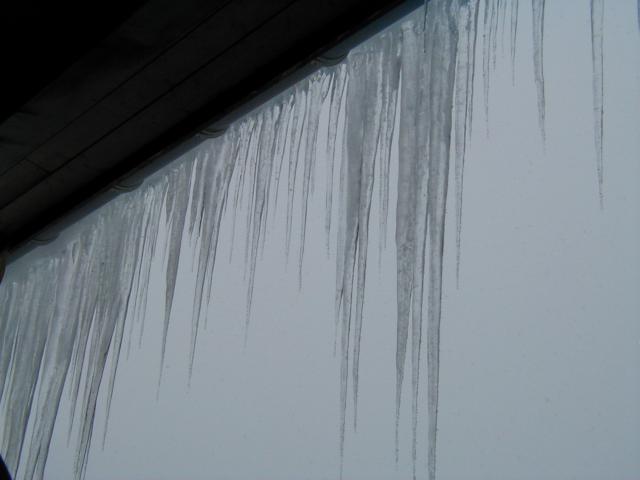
(540, 362)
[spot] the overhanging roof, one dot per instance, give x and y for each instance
(83, 103)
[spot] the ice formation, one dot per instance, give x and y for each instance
(538, 58)
(597, 14)
(421, 72)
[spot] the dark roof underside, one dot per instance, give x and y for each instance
(85, 102)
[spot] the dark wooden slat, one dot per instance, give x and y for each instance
(17, 178)
(143, 37)
(38, 40)
(155, 79)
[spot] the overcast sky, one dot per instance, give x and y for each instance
(540, 362)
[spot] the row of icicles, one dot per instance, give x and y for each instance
(417, 75)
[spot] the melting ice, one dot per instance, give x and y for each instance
(418, 75)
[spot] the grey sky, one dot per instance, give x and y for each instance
(540, 343)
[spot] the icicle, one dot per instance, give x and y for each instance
(502, 11)
(145, 245)
(422, 172)
(297, 129)
(514, 38)
(281, 144)
(269, 147)
(597, 16)
(538, 59)
(206, 172)
(338, 87)
(465, 68)
(441, 43)
(368, 115)
(132, 215)
(253, 165)
(89, 257)
(31, 338)
(196, 194)
(340, 244)
(108, 311)
(492, 12)
(499, 29)
(314, 103)
(486, 58)
(56, 360)
(243, 137)
(8, 326)
(427, 101)
(258, 215)
(177, 201)
(390, 66)
(367, 152)
(349, 226)
(152, 225)
(217, 170)
(224, 172)
(406, 203)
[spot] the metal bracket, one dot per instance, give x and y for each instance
(331, 60)
(127, 184)
(44, 239)
(213, 131)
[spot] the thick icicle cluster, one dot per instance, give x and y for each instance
(64, 313)
(372, 92)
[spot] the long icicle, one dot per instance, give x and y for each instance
(28, 350)
(513, 38)
(463, 104)
(405, 210)
(56, 360)
(176, 208)
(538, 59)
(371, 118)
(443, 41)
(264, 159)
(338, 88)
(389, 44)
(314, 103)
(356, 96)
(597, 18)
